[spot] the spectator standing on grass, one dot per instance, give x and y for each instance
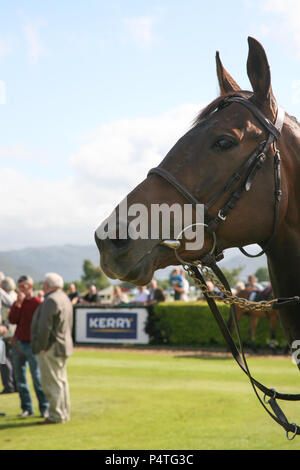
(253, 287)
(177, 283)
(158, 296)
(3, 328)
(73, 295)
(119, 297)
(240, 286)
(151, 288)
(151, 326)
(51, 332)
(185, 287)
(21, 314)
(7, 330)
(142, 296)
(91, 296)
(252, 283)
(2, 359)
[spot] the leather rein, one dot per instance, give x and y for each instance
(242, 179)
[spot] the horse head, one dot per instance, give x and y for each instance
(218, 157)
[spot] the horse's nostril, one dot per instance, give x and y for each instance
(115, 236)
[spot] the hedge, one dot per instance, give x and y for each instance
(192, 324)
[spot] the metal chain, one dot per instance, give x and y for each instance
(228, 298)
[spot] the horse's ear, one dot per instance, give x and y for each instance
(226, 82)
(259, 74)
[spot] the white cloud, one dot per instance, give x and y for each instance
(35, 46)
(6, 46)
(20, 151)
(141, 29)
(121, 153)
(38, 211)
(282, 21)
(288, 7)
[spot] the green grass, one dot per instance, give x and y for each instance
(123, 399)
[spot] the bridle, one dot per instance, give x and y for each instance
(244, 175)
(242, 180)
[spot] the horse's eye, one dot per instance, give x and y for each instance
(224, 143)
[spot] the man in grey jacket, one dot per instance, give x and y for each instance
(51, 340)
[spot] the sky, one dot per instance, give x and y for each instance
(94, 93)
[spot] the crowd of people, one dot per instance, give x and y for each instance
(36, 331)
(145, 295)
(256, 291)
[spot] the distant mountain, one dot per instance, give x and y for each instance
(67, 260)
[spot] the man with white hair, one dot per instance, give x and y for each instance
(51, 333)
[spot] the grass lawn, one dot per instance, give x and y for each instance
(146, 400)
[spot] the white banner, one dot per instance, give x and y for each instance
(111, 325)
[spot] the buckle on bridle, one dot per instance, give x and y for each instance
(294, 434)
(274, 396)
(222, 217)
(261, 157)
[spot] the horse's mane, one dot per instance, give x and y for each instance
(294, 119)
(204, 113)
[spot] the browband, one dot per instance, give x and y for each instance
(275, 129)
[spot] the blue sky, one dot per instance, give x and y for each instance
(94, 93)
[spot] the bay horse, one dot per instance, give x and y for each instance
(230, 161)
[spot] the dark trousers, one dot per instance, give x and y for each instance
(177, 295)
(22, 355)
(7, 373)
